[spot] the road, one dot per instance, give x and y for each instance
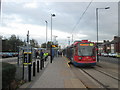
(109, 59)
(12, 60)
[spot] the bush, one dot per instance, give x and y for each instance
(8, 74)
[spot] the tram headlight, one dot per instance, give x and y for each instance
(93, 57)
(80, 57)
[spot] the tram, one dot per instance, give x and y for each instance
(82, 53)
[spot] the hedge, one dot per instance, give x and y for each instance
(8, 74)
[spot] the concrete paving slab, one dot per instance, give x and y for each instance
(58, 75)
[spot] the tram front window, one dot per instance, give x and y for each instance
(86, 51)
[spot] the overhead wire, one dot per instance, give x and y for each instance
(81, 17)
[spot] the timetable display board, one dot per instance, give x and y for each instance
(25, 62)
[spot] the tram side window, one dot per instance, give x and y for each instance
(94, 51)
(76, 50)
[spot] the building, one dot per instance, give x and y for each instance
(116, 44)
(110, 47)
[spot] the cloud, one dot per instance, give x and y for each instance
(60, 1)
(31, 5)
(19, 17)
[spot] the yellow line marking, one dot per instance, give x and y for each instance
(68, 64)
(68, 61)
(27, 53)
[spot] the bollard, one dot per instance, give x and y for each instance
(33, 68)
(45, 58)
(23, 73)
(37, 66)
(29, 72)
(18, 57)
(41, 64)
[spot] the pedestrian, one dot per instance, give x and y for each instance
(41, 54)
(46, 55)
(36, 54)
(57, 53)
(53, 53)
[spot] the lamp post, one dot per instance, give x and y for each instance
(72, 38)
(55, 43)
(55, 39)
(97, 28)
(52, 15)
(46, 33)
(68, 40)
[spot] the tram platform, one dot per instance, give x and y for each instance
(57, 75)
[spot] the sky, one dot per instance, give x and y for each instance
(17, 17)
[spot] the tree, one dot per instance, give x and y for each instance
(4, 45)
(34, 43)
(1, 37)
(43, 45)
(11, 44)
(48, 44)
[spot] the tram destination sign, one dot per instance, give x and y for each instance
(87, 44)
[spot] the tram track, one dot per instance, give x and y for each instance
(88, 83)
(105, 80)
(106, 86)
(103, 72)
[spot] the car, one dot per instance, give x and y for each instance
(110, 54)
(102, 54)
(1, 54)
(4, 54)
(118, 55)
(99, 54)
(105, 55)
(114, 55)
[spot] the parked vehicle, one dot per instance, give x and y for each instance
(4, 54)
(118, 55)
(111, 54)
(1, 54)
(114, 55)
(99, 54)
(105, 55)
(102, 54)
(8, 54)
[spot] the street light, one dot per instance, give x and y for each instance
(55, 39)
(46, 33)
(52, 15)
(97, 28)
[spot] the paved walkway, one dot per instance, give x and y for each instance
(57, 75)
